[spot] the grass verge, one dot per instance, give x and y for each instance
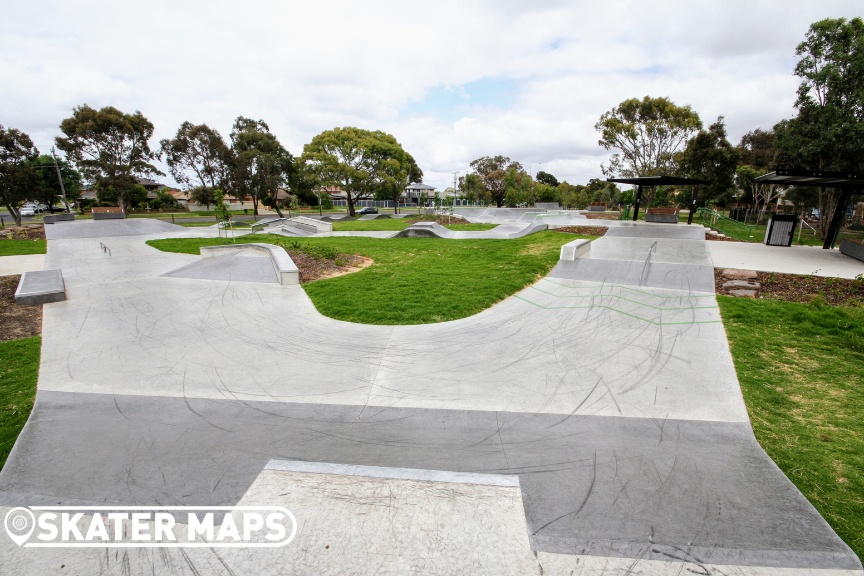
(415, 280)
(19, 369)
(801, 369)
(22, 247)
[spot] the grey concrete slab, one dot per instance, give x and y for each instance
(40, 287)
(682, 277)
(14, 265)
(234, 268)
(808, 260)
(693, 232)
(110, 228)
(617, 406)
(599, 486)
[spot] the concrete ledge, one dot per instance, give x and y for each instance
(52, 218)
(852, 249)
(40, 287)
(547, 205)
(575, 249)
(311, 224)
(286, 270)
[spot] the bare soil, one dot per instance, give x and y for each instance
(800, 288)
(584, 230)
(16, 321)
(601, 215)
(312, 268)
(26, 232)
(720, 238)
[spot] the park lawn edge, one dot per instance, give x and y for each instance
(19, 371)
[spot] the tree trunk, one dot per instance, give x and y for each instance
(16, 214)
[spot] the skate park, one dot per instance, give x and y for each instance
(591, 422)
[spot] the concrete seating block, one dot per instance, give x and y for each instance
(285, 268)
(852, 249)
(575, 249)
(40, 287)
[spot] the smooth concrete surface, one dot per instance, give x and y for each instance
(286, 271)
(807, 260)
(616, 406)
(500, 232)
(575, 249)
(40, 287)
(15, 265)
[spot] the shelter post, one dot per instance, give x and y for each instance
(693, 204)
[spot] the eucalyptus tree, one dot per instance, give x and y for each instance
(110, 148)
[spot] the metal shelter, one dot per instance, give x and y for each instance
(654, 181)
(847, 182)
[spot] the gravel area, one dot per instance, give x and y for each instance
(16, 321)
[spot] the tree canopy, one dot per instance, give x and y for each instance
(361, 162)
(546, 178)
(261, 165)
(47, 188)
(709, 156)
(828, 132)
(646, 135)
(110, 148)
(492, 171)
(17, 177)
(197, 154)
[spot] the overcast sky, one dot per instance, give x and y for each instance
(451, 80)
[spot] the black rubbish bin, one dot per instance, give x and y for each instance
(781, 230)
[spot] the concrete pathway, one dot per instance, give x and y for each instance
(792, 260)
(14, 265)
(606, 390)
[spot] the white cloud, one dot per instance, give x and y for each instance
(308, 67)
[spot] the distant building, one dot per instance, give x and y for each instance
(417, 193)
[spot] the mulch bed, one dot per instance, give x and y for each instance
(312, 268)
(720, 238)
(16, 321)
(800, 288)
(584, 230)
(601, 215)
(27, 232)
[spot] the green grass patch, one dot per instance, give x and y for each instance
(801, 368)
(22, 247)
(415, 280)
(19, 369)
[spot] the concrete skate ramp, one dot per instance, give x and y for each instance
(638, 256)
(637, 488)
(111, 228)
(501, 232)
(234, 268)
(374, 216)
(657, 231)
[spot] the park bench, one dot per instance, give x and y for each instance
(662, 215)
(109, 213)
(597, 207)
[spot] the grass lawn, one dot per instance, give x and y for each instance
(19, 368)
(416, 280)
(22, 247)
(801, 368)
